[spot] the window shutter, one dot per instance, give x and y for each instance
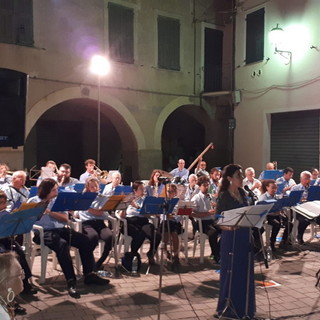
(120, 33)
(168, 43)
(255, 36)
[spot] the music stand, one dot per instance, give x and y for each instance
(19, 222)
(271, 174)
(73, 201)
(113, 203)
(156, 206)
(313, 193)
(123, 190)
(244, 217)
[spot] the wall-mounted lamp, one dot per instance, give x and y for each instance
(277, 37)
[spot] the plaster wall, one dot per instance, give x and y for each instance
(284, 85)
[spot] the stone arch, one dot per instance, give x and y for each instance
(165, 113)
(75, 93)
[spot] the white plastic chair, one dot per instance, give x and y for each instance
(44, 252)
(201, 238)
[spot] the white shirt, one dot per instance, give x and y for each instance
(203, 204)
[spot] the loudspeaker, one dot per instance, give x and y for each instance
(13, 93)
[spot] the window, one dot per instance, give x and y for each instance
(168, 43)
(255, 36)
(16, 22)
(120, 33)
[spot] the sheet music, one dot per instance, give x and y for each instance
(250, 216)
(310, 209)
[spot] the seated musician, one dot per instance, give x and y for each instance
(180, 173)
(250, 181)
(275, 219)
(64, 176)
(205, 211)
(93, 225)
(58, 237)
(173, 228)
(89, 164)
(109, 189)
(50, 171)
(153, 189)
(305, 177)
(5, 178)
(11, 244)
(139, 227)
(16, 192)
(200, 170)
(286, 182)
(215, 175)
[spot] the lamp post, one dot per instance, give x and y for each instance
(99, 66)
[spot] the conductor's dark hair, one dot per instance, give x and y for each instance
(228, 171)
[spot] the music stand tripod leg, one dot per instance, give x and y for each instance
(229, 304)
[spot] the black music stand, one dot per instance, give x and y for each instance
(243, 217)
(156, 206)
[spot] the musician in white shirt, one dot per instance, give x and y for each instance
(109, 189)
(305, 178)
(16, 192)
(89, 164)
(250, 181)
(205, 211)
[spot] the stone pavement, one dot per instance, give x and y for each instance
(191, 293)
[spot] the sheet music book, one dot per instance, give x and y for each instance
(33, 191)
(73, 201)
(185, 208)
(250, 216)
(310, 209)
(113, 203)
(47, 172)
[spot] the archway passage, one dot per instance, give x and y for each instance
(183, 136)
(67, 132)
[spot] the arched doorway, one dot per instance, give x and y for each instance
(184, 135)
(67, 132)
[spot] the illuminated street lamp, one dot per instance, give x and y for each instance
(99, 66)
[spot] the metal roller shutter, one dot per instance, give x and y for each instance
(295, 140)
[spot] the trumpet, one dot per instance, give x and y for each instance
(100, 174)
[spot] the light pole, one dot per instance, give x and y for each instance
(99, 66)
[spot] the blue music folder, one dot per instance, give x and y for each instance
(33, 191)
(153, 205)
(279, 204)
(313, 193)
(271, 174)
(73, 201)
(19, 222)
(120, 190)
(78, 187)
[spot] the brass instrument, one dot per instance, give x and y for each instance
(100, 174)
(210, 146)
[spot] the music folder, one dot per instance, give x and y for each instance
(293, 198)
(121, 190)
(73, 201)
(154, 205)
(113, 203)
(20, 222)
(310, 209)
(185, 207)
(271, 174)
(248, 217)
(313, 193)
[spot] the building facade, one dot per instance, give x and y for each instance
(164, 56)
